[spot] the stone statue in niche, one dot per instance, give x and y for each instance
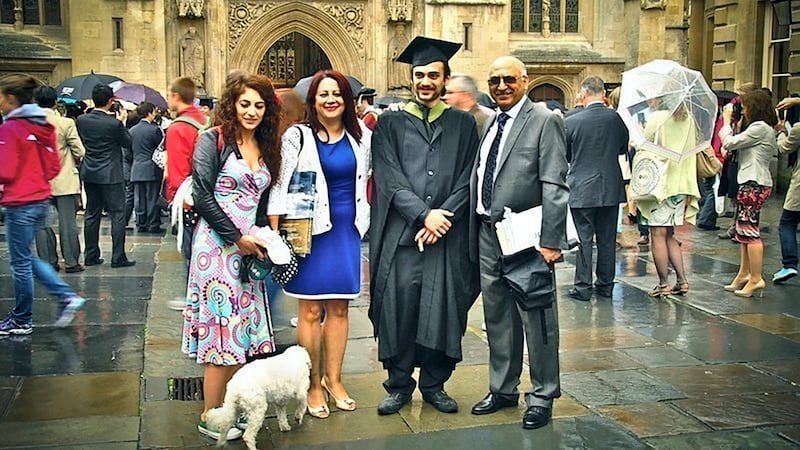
(193, 58)
(654, 4)
(399, 75)
(400, 10)
(546, 18)
(188, 8)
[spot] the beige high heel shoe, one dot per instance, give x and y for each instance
(735, 286)
(758, 287)
(347, 404)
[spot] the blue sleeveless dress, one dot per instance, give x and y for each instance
(333, 269)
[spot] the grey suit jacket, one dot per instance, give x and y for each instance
(595, 139)
(531, 171)
(145, 137)
(104, 137)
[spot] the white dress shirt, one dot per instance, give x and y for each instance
(487, 145)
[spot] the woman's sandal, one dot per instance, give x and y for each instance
(347, 404)
(320, 412)
(680, 288)
(661, 290)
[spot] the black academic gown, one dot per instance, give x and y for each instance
(416, 169)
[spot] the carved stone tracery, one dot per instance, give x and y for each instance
(351, 17)
(400, 10)
(190, 8)
(241, 15)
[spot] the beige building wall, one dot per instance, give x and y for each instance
(142, 57)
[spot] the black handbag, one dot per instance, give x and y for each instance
(530, 280)
(258, 269)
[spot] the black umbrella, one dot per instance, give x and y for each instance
(301, 88)
(725, 95)
(80, 87)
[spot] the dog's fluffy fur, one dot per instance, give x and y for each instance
(273, 380)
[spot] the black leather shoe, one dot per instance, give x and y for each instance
(493, 403)
(441, 401)
(393, 403)
(126, 263)
(141, 229)
(573, 293)
(535, 417)
(74, 269)
(708, 227)
(156, 230)
(96, 262)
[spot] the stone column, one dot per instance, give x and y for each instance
(216, 48)
(725, 51)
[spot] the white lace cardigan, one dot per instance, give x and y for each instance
(307, 158)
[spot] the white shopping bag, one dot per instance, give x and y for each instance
(523, 230)
(719, 202)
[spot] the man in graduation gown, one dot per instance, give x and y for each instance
(422, 280)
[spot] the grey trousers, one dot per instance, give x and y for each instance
(67, 206)
(600, 225)
(506, 327)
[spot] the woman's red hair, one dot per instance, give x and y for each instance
(349, 118)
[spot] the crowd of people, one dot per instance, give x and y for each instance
(426, 182)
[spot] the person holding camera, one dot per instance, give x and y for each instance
(103, 134)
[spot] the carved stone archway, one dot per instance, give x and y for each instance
(338, 29)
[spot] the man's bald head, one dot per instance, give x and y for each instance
(506, 61)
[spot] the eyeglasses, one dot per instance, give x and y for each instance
(507, 79)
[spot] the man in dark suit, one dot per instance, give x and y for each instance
(103, 134)
(522, 164)
(595, 139)
(146, 176)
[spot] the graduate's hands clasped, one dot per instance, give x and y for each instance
(437, 225)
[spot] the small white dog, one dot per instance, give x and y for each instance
(273, 380)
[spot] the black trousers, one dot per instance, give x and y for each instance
(600, 225)
(112, 196)
(129, 202)
(67, 206)
(435, 367)
(148, 213)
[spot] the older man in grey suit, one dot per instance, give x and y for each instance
(146, 176)
(595, 138)
(522, 164)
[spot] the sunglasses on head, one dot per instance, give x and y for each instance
(508, 79)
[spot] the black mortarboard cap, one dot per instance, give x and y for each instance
(366, 92)
(423, 50)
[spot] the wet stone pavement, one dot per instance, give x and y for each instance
(708, 370)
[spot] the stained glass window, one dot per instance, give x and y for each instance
(517, 16)
(571, 18)
(535, 16)
(52, 12)
(555, 16)
(6, 11)
(30, 12)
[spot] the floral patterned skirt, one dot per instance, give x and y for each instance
(749, 200)
(668, 213)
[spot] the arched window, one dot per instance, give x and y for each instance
(34, 12)
(527, 16)
(545, 92)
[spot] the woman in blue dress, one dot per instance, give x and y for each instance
(336, 146)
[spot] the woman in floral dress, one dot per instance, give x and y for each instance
(226, 320)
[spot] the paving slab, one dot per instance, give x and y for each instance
(733, 379)
(787, 369)
(75, 349)
(363, 423)
(595, 360)
(173, 424)
(771, 323)
(73, 396)
(753, 410)
(790, 432)
(723, 440)
(617, 387)
(69, 432)
(603, 338)
(574, 433)
(724, 342)
(653, 419)
(93, 285)
(660, 356)
(361, 356)
(94, 312)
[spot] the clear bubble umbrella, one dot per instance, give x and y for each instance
(669, 109)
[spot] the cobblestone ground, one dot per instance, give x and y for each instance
(708, 370)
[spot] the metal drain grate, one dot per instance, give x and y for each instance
(187, 389)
